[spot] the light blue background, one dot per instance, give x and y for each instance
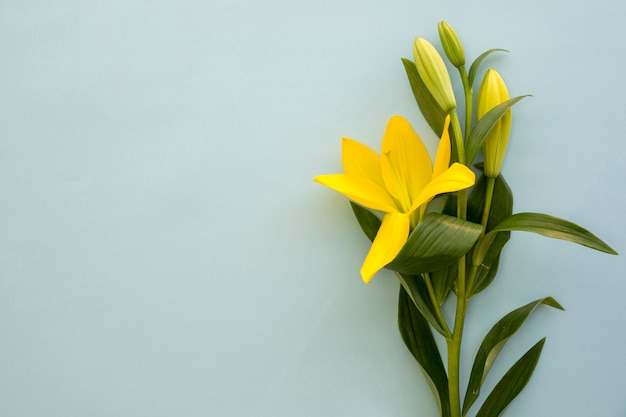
(165, 252)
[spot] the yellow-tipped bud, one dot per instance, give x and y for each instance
(452, 45)
(434, 73)
(493, 92)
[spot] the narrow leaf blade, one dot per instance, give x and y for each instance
(443, 281)
(419, 339)
(484, 126)
(416, 289)
(437, 241)
(512, 383)
(368, 221)
(432, 112)
(501, 208)
(493, 343)
(476, 64)
(553, 227)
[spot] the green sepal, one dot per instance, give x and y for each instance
(501, 208)
(476, 64)
(437, 241)
(419, 339)
(493, 344)
(512, 383)
(483, 127)
(553, 227)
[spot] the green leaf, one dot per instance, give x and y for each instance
(476, 64)
(493, 344)
(419, 339)
(416, 289)
(443, 281)
(430, 109)
(413, 284)
(501, 205)
(512, 383)
(437, 241)
(368, 221)
(432, 112)
(553, 227)
(501, 208)
(483, 127)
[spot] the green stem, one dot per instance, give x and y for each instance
(471, 277)
(454, 344)
(458, 136)
(491, 182)
(434, 300)
(469, 93)
(461, 208)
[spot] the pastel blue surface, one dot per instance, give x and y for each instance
(165, 252)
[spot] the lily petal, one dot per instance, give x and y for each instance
(360, 161)
(362, 190)
(405, 163)
(392, 235)
(442, 159)
(455, 178)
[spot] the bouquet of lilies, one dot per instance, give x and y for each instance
(456, 248)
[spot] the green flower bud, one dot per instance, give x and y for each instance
(493, 92)
(452, 45)
(434, 73)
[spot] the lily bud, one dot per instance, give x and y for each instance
(434, 73)
(452, 45)
(492, 92)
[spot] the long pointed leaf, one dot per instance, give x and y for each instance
(416, 289)
(501, 205)
(419, 339)
(432, 112)
(413, 284)
(368, 221)
(553, 227)
(493, 344)
(436, 242)
(501, 208)
(443, 281)
(512, 383)
(476, 64)
(484, 126)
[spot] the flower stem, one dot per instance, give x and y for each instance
(454, 344)
(469, 93)
(469, 286)
(458, 136)
(491, 182)
(435, 301)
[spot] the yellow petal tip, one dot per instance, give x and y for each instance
(367, 276)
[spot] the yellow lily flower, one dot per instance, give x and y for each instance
(399, 183)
